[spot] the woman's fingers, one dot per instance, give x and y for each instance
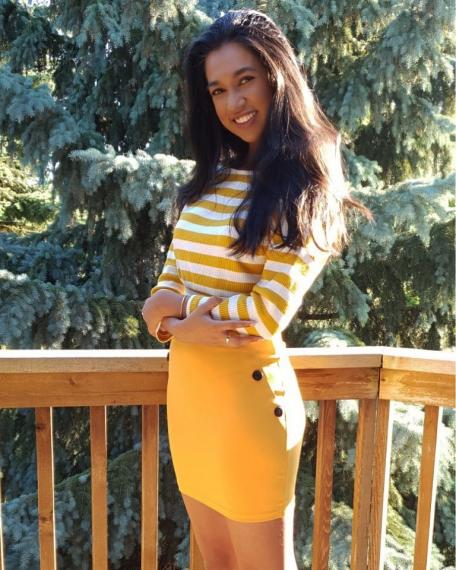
(208, 305)
(235, 324)
(200, 325)
(238, 340)
(212, 303)
(197, 331)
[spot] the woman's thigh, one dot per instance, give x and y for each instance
(267, 545)
(212, 536)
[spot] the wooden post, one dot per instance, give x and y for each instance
(45, 475)
(98, 471)
(364, 462)
(323, 484)
(380, 487)
(427, 488)
(149, 487)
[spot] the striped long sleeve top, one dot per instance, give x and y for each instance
(267, 288)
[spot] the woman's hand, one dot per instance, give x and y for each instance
(201, 328)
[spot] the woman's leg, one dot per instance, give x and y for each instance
(212, 536)
(267, 545)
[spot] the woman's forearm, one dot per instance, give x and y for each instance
(167, 303)
(163, 303)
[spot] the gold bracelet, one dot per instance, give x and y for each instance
(167, 335)
(185, 300)
(181, 312)
(164, 336)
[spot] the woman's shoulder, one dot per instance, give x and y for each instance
(232, 178)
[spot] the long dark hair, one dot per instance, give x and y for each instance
(298, 182)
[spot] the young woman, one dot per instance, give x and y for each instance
(261, 216)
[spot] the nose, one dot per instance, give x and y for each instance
(235, 103)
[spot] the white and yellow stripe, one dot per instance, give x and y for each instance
(267, 288)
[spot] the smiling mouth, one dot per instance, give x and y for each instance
(246, 119)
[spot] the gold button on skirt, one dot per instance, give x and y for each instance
(236, 422)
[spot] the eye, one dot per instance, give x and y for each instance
(247, 77)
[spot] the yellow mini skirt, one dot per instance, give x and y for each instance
(236, 422)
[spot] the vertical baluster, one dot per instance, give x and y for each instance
(196, 558)
(45, 475)
(427, 488)
(1, 529)
(364, 461)
(98, 441)
(323, 484)
(380, 487)
(149, 487)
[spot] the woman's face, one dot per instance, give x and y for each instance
(238, 86)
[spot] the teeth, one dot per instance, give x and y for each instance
(245, 118)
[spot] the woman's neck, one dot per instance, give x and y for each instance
(242, 165)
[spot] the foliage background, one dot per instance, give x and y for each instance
(93, 149)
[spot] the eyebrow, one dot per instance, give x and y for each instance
(235, 74)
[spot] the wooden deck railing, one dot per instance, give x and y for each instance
(373, 375)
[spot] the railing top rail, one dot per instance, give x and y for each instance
(146, 360)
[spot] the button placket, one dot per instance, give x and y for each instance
(279, 409)
(272, 375)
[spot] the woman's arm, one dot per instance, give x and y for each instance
(163, 303)
(200, 327)
(276, 297)
(166, 296)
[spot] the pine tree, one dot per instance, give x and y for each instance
(91, 100)
(24, 206)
